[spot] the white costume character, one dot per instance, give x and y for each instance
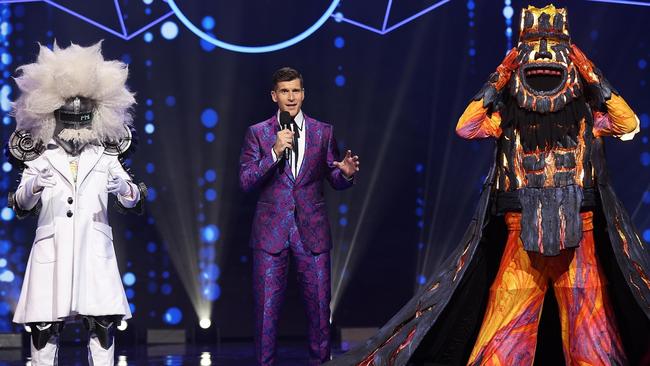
(72, 124)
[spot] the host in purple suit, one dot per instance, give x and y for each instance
(291, 218)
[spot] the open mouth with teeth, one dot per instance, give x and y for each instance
(543, 78)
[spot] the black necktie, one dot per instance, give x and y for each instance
(296, 135)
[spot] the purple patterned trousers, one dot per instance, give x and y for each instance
(269, 284)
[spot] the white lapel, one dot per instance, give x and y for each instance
(90, 155)
(58, 158)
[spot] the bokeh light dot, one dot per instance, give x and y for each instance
(210, 194)
(209, 118)
(169, 30)
(128, 279)
(208, 23)
(339, 80)
(173, 316)
(210, 175)
(339, 42)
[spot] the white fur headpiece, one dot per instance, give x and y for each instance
(62, 73)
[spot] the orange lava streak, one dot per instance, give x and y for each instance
(549, 169)
(642, 274)
(403, 345)
(517, 167)
(461, 262)
(580, 153)
(434, 286)
(626, 247)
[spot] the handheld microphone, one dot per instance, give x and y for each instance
(286, 122)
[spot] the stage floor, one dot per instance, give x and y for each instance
(225, 354)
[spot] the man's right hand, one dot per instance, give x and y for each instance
(45, 178)
(283, 140)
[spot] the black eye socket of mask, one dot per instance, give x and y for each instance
(77, 112)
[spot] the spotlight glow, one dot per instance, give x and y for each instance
(206, 359)
(205, 323)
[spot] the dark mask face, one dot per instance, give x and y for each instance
(76, 113)
(74, 124)
(546, 79)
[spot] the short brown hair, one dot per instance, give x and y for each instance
(286, 74)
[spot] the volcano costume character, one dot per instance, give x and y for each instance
(547, 218)
(73, 126)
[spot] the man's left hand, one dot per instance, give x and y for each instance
(349, 165)
(118, 186)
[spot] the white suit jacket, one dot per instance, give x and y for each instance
(72, 267)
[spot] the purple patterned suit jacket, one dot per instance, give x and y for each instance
(283, 198)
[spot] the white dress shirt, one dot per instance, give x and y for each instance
(302, 127)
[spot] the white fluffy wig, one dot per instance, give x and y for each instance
(63, 73)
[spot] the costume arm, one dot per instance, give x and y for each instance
(134, 197)
(613, 117)
(25, 196)
(475, 123)
(335, 176)
(254, 164)
(619, 120)
(480, 119)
